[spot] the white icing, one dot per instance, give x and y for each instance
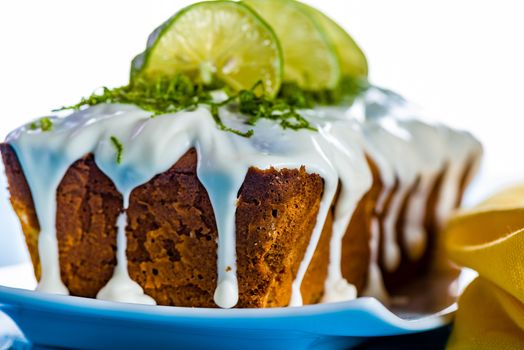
(375, 284)
(402, 149)
(417, 150)
(465, 149)
(433, 154)
(121, 287)
(396, 145)
(355, 181)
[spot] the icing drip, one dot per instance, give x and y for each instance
(404, 150)
(355, 180)
(45, 161)
(415, 235)
(222, 184)
(45, 187)
(325, 204)
(121, 287)
(223, 161)
(433, 154)
(375, 285)
(394, 142)
(466, 149)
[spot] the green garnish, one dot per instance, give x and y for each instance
(162, 96)
(282, 110)
(222, 126)
(180, 93)
(119, 148)
(44, 124)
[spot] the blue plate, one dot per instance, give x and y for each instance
(73, 322)
(83, 323)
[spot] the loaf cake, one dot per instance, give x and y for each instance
(176, 209)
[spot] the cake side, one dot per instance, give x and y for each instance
(405, 271)
(356, 252)
(172, 234)
(409, 268)
(433, 257)
(172, 237)
(276, 214)
(313, 285)
(22, 203)
(172, 248)
(438, 260)
(88, 205)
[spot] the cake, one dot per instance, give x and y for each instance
(211, 204)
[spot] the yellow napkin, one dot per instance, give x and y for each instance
(490, 239)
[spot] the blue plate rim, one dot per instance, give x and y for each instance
(272, 318)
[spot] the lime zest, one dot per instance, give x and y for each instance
(44, 124)
(119, 148)
(216, 116)
(180, 93)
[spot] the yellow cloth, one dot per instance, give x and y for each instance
(490, 239)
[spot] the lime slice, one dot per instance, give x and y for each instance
(310, 59)
(215, 40)
(353, 62)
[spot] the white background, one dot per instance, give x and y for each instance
(462, 61)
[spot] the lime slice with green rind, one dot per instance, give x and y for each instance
(353, 62)
(215, 40)
(310, 59)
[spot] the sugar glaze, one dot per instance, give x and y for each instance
(407, 152)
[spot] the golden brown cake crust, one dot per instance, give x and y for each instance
(88, 205)
(356, 250)
(22, 202)
(172, 235)
(406, 269)
(172, 232)
(398, 281)
(275, 218)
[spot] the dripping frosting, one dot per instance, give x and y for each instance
(405, 150)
